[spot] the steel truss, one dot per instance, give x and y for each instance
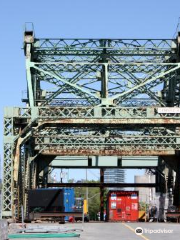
(111, 97)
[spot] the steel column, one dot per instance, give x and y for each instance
(101, 194)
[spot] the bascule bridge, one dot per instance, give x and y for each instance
(93, 97)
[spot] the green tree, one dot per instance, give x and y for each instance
(93, 199)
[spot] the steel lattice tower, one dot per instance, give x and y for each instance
(108, 97)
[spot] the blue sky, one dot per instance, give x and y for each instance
(74, 19)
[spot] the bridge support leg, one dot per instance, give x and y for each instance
(170, 186)
(8, 186)
(102, 195)
(177, 188)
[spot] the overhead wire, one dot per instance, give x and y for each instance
(93, 173)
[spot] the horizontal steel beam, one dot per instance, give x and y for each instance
(54, 214)
(96, 162)
(98, 114)
(104, 152)
(98, 167)
(114, 185)
(96, 52)
(80, 47)
(137, 121)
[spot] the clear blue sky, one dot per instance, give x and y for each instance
(75, 19)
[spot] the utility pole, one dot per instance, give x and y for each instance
(87, 191)
(61, 175)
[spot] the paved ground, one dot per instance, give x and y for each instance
(125, 231)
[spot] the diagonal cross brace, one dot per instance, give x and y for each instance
(149, 92)
(64, 87)
(73, 80)
(65, 81)
(146, 82)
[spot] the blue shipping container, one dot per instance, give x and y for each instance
(68, 201)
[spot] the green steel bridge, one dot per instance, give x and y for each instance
(93, 97)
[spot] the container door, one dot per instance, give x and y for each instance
(123, 208)
(112, 206)
(128, 208)
(134, 207)
(120, 208)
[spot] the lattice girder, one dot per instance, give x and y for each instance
(107, 97)
(101, 71)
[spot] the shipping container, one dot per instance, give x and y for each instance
(46, 200)
(53, 201)
(122, 206)
(69, 201)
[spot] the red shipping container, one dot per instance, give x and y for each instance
(122, 206)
